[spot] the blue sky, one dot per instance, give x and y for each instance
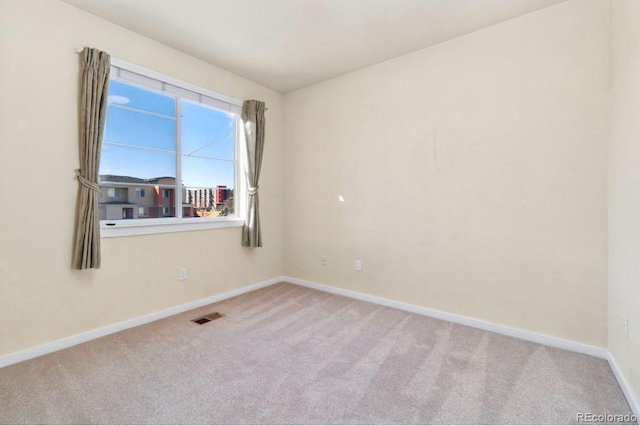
(207, 138)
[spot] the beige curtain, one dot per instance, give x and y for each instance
(93, 110)
(253, 118)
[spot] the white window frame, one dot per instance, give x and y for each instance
(129, 227)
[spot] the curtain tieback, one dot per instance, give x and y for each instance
(86, 182)
(252, 191)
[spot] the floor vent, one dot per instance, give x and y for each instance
(207, 318)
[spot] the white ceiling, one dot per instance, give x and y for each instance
(289, 44)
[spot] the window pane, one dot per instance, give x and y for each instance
(207, 138)
(138, 98)
(139, 164)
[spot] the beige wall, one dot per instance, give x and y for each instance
(624, 189)
(41, 298)
(473, 174)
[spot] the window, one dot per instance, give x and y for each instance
(169, 151)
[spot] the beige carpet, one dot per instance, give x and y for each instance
(286, 354)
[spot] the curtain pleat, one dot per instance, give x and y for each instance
(254, 125)
(93, 111)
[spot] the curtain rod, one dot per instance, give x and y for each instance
(79, 50)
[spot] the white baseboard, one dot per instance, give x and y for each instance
(543, 339)
(632, 399)
(57, 345)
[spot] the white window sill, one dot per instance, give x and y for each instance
(127, 228)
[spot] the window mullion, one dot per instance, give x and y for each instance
(178, 189)
(237, 203)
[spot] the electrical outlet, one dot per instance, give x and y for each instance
(358, 265)
(323, 260)
(625, 326)
(182, 274)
